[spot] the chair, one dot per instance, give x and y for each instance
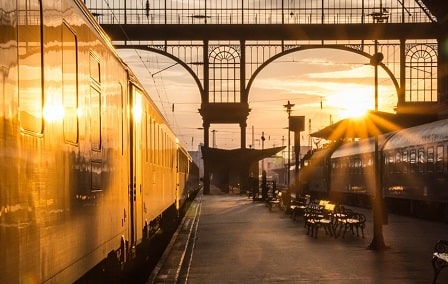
(355, 221)
(341, 217)
(298, 207)
(327, 219)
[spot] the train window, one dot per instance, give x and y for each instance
(358, 168)
(145, 133)
(30, 52)
(412, 160)
(165, 156)
(95, 119)
(152, 125)
(96, 170)
(95, 102)
(398, 157)
(404, 158)
(162, 147)
(421, 160)
(168, 151)
(391, 162)
(439, 158)
(95, 68)
(154, 142)
(398, 164)
(157, 147)
(173, 153)
(123, 113)
(165, 150)
(391, 158)
(430, 159)
(70, 84)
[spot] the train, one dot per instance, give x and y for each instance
(90, 169)
(413, 171)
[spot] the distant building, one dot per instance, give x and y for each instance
(276, 166)
(197, 158)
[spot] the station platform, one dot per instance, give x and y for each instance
(228, 238)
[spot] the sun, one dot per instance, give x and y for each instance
(351, 103)
(354, 110)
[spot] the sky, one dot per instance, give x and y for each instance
(325, 86)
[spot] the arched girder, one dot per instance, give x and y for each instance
(307, 47)
(176, 59)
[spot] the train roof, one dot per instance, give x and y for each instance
(374, 123)
(362, 146)
(132, 77)
(426, 133)
(325, 151)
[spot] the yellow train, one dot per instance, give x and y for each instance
(89, 168)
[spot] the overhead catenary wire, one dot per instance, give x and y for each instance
(162, 102)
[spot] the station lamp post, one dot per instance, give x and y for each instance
(288, 107)
(378, 203)
(262, 148)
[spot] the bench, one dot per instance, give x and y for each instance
(275, 201)
(298, 205)
(320, 216)
(439, 258)
(346, 220)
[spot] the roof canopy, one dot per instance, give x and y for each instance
(222, 158)
(374, 123)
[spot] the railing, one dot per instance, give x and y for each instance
(268, 12)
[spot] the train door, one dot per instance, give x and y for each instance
(136, 165)
(177, 163)
(96, 162)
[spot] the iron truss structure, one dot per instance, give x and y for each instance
(224, 45)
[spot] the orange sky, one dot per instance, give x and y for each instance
(341, 80)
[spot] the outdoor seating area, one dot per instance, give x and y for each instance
(335, 219)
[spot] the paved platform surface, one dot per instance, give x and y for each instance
(228, 238)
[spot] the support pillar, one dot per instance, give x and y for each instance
(206, 180)
(442, 72)
(243, 127)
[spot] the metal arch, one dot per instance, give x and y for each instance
(176, 59)
(420, 48)
(217, 51)
(306, 47)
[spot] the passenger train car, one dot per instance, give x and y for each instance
(353, 171)
(415, 177)
(413, 170)
(88, 165)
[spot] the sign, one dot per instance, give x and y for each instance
(297, 123)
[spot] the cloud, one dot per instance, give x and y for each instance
(355, 72)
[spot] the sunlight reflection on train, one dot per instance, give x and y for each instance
(53, 112)
(137, 110)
